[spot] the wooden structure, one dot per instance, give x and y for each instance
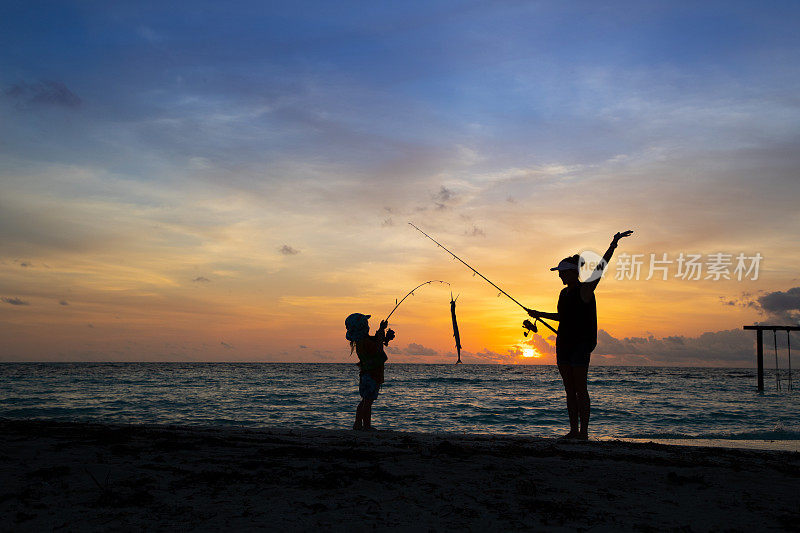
(760, 347)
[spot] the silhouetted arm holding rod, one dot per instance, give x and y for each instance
(384, 335)
(541, 314)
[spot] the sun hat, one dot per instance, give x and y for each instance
(568, 263)
(357, 327)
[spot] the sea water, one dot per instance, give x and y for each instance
(627, 402)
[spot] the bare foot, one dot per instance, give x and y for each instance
(570, 435)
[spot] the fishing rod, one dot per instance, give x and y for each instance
(527, 323)
(411, 292)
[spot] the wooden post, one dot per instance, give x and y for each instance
(760, 347)
(760, 358)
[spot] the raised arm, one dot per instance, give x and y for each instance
(607, 257)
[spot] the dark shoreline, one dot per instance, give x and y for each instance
(91, 476)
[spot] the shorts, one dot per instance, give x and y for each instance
(368, 388)
(573, 356)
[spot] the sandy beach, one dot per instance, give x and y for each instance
(78, 476)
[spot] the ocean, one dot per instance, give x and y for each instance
(627, 402)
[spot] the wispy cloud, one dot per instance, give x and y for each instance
(43, 93)
(14, 301)
(476, 232)
(443, 197)
(288, 250)
(201, 279)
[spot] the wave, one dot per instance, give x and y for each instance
(775, 434)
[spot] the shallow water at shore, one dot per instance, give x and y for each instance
(627, 402)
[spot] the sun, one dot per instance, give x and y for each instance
(529, 352)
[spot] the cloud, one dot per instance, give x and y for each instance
(781, 306)
(734, 346)
(226, 345)
(201, 279)
(418, 349)
(14, 301)
(288, 250)
(726, 347)
(43, 93)
(486, 356)
(63, 302)
(476, 232)
(443, 197)
(541, 345)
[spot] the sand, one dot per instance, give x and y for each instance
(89, 477)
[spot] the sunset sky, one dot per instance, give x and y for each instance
(228, 181)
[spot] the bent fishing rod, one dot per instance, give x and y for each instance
(528, 325)
(411, 292)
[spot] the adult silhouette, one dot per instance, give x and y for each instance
(577, 334)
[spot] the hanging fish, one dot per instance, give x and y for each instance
(455, 325)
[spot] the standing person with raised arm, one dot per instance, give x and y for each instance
(577, 334)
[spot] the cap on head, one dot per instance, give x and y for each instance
(357, 327)
(569, 263)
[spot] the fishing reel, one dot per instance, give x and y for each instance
(388, 336)
(529, 326)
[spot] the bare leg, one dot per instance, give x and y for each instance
(359, 423)
(572, 403)
(366, 413)
(579, 378)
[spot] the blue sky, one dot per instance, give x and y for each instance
(146, 145)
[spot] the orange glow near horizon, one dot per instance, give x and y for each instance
(239, 210)
(530, 352)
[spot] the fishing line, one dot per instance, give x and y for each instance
(440, 245)
(777, 369)
(789, 349)
(411, 292)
